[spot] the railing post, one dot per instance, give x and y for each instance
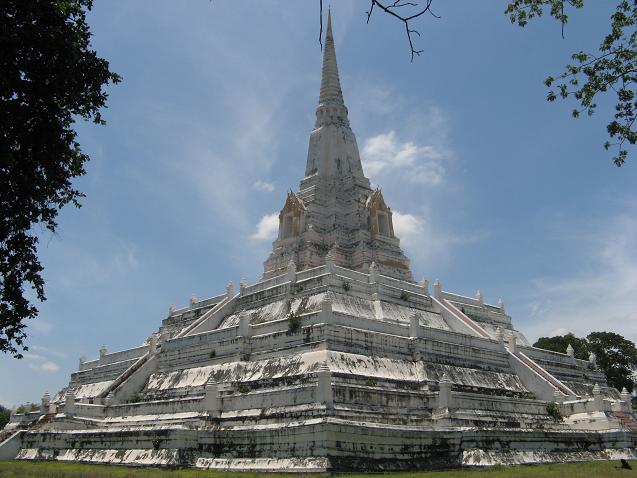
(324, 386)
(598, 399)
(437, 290)
(212, 403)
(627, 400)
(69, 405)
(444, 395)
(414, 326)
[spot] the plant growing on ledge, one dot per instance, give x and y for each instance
(245, 357)
(212, 354)
(553, 409)
(242, 388)
(20, 409)
(404, 295)
(135, 398)
(346, 286)
(294, 322)
(370, 382)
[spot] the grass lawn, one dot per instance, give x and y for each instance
(17, 469)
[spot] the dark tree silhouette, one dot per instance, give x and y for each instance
(49, 77)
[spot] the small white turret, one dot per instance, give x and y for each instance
(373, 273)
(46, 402)
(570, 351)
(230, 290)
(437, 290)
(424, 283)
(193, 300)
(501, 305)
(479, 297)
(444, 395)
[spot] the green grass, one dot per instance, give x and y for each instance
(41, 469)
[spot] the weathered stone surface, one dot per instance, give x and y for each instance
(336, 360)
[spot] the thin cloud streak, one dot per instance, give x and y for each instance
(602, 297)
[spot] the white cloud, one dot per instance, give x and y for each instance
(267, 228)
(407, 227)
(263, 186)
(421, 164)
(601, 295)
(30, 356)
(48, 367)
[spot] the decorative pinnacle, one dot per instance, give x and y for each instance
(331, 93)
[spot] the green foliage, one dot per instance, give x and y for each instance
(294, 322)
(370, 382)
(5, 415)
(242, 388)
(553, 409)
(20, 409)
(346, 286)
(559, 343)
(50, 78)
(612, 69)
(33, 407)
(616, 356)
(404, 295)
(212, 354)
(136, 398)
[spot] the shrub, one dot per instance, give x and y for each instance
(346, 286)
(34, 407)
(404, 295)
(294, 322)
(212, 354)
(242, 388)
(5, 416)
(370, 382)
(135, 398)
(553, 409)
(20, 409)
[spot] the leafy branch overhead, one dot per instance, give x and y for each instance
(610, 70)
(50, 78)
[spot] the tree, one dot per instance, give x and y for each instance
(50, 77)
(616, 356)
(612, 69)
(560, 343)
(5, 415)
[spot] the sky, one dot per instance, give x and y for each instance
(492, 187)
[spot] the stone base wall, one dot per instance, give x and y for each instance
(325, 444)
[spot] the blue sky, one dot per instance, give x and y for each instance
(493, 188)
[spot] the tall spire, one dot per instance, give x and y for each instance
(331, 93)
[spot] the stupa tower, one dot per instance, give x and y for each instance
(335, 210)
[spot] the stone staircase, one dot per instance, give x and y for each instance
(626, 420)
